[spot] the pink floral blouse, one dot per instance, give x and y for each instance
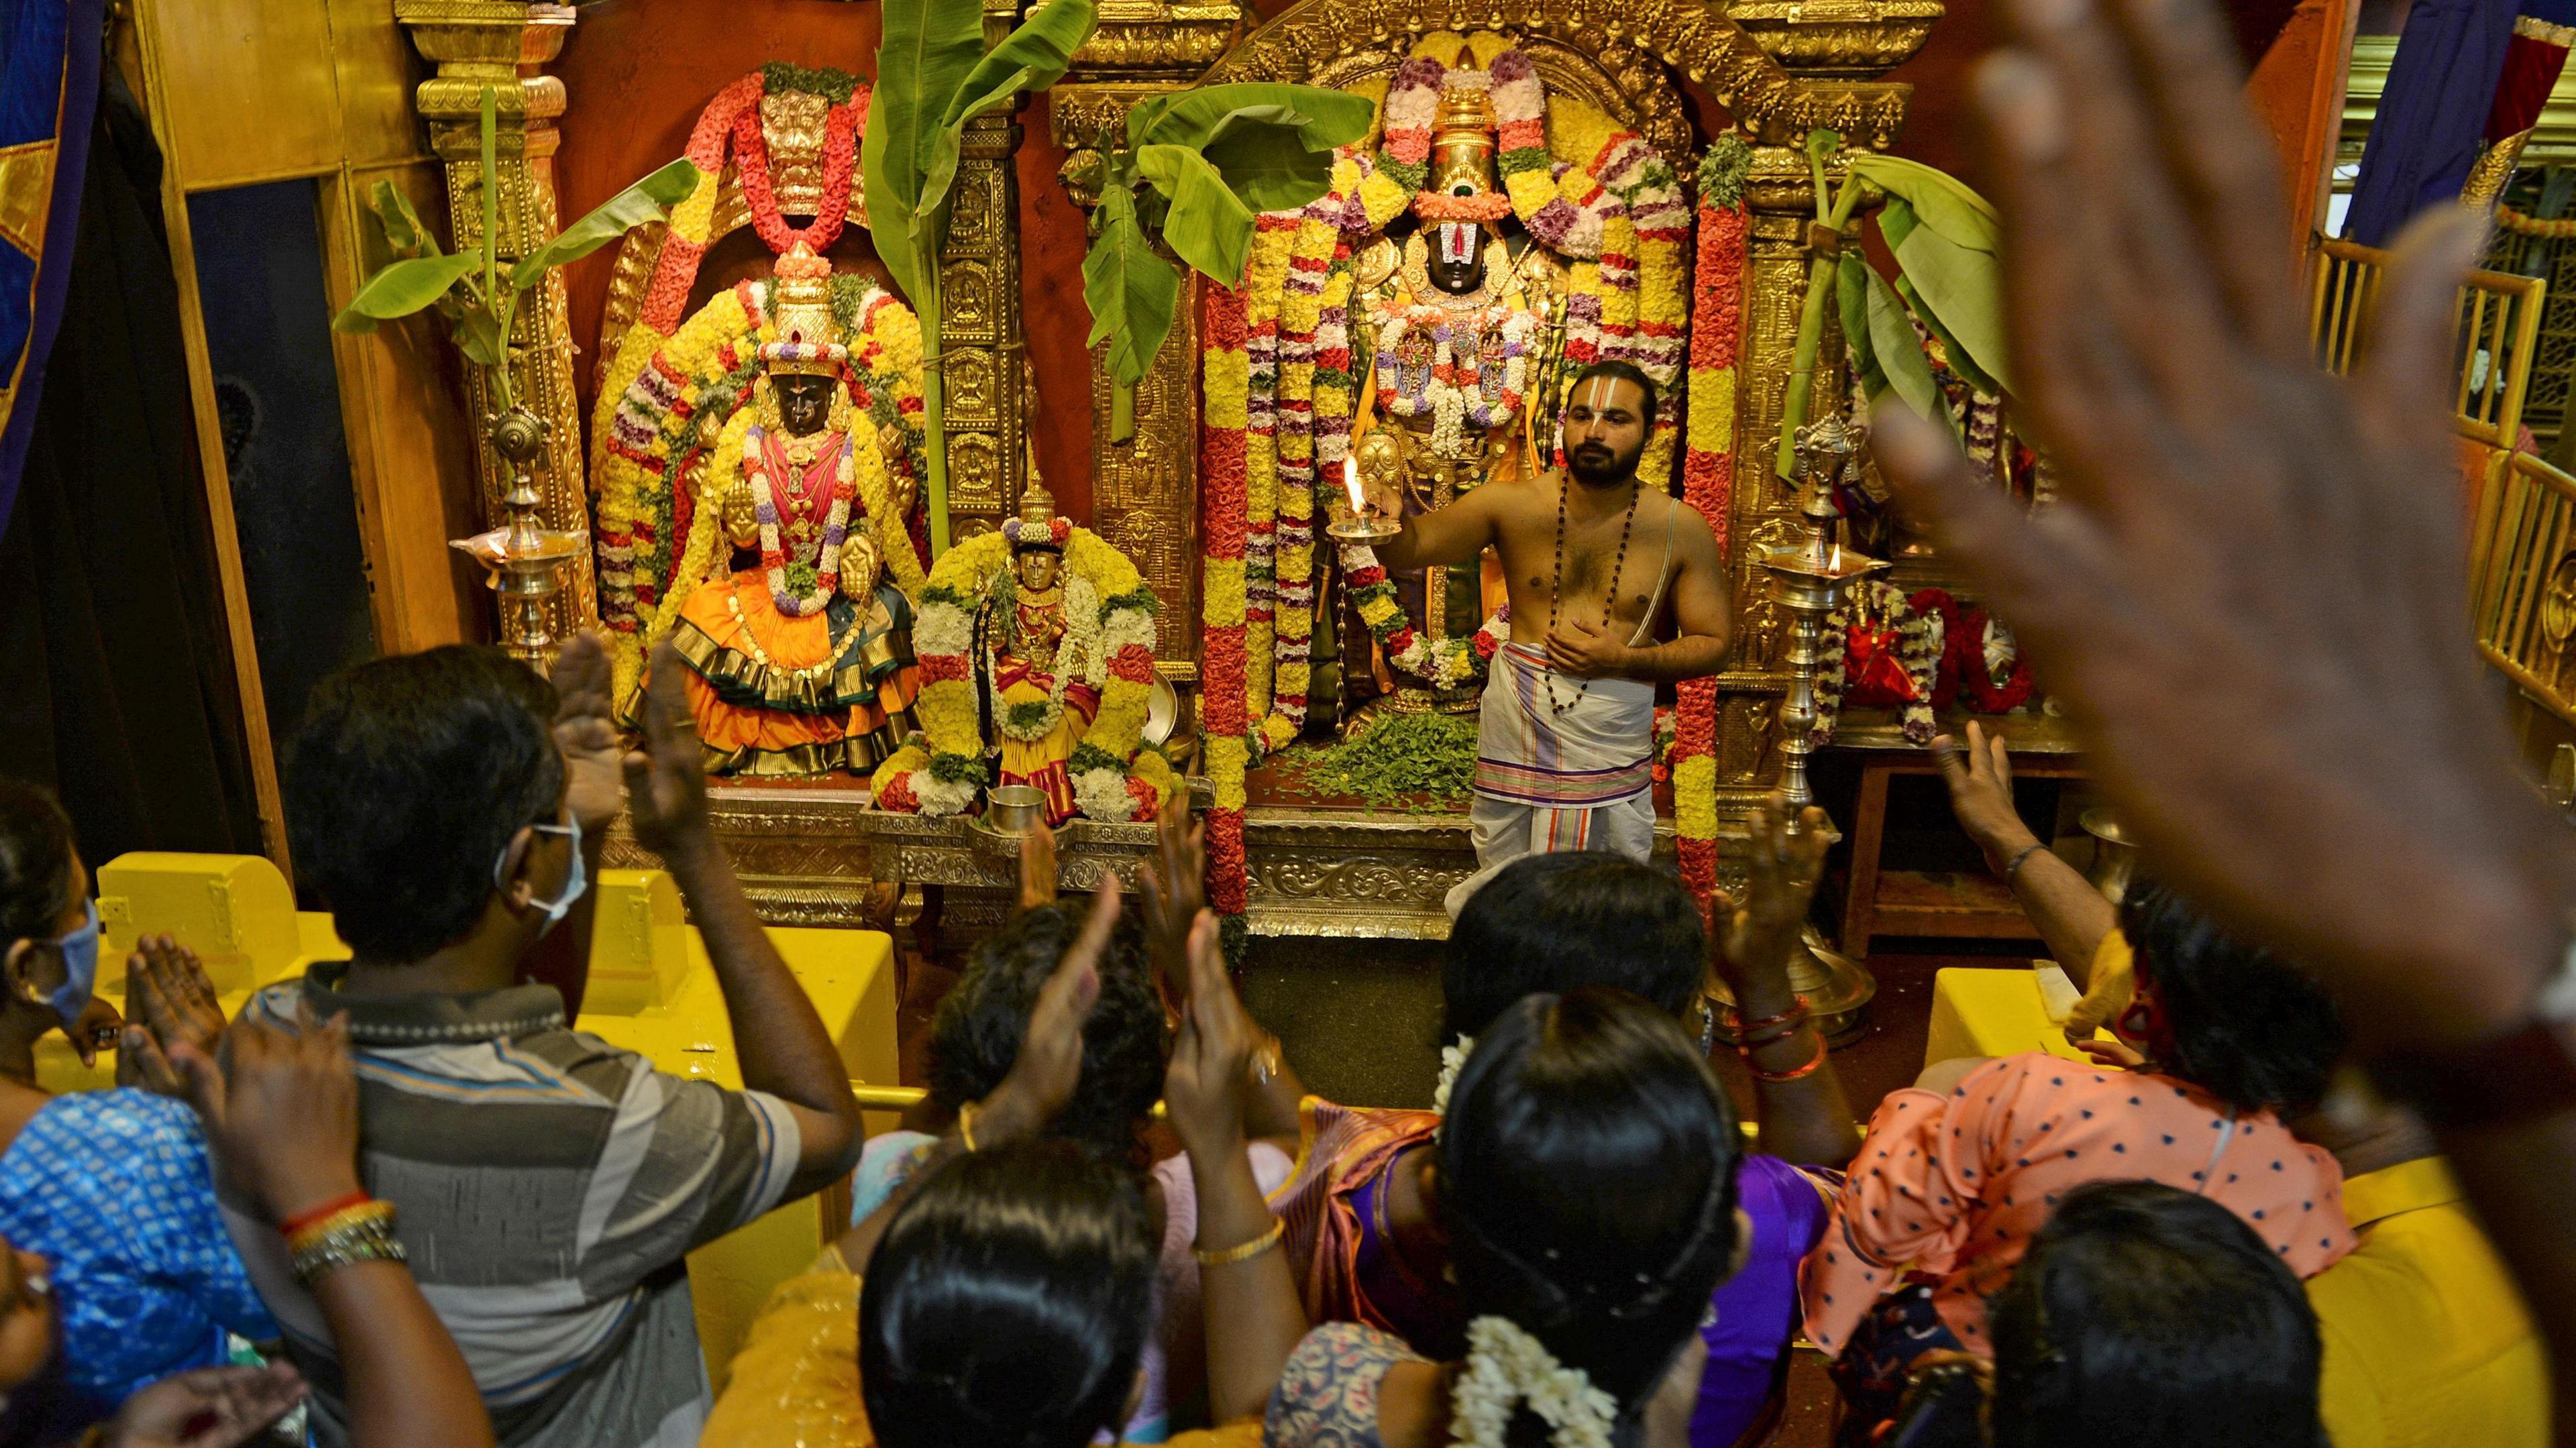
(1952, 1187)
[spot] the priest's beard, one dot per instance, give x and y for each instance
(1598, 465)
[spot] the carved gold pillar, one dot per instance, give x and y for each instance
(979, 272)
(1144, 493)
(500, 43)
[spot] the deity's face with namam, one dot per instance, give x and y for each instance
(1038, 568)
(1457, 264)
(804, 401)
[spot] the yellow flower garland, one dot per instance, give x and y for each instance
(941, 779)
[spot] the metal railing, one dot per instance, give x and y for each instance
(2498, 335)
(2522, 575)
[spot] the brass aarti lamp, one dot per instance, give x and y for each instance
(1808, 581)
(525, 561)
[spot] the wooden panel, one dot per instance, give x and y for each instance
(376, 72)
(248, 89)
(409, 442)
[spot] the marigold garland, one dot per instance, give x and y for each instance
(1112, 781)
(1708, 485)
(1223, 720)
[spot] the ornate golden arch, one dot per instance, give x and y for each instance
(1622, 55)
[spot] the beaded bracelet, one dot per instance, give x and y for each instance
(1245, 1251)
(360, 1234)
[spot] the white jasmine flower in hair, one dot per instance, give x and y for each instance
(1453, 1059)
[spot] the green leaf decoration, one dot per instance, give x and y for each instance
(836, 86)
(1851, 304)
(404, 235)
(1031, 57)
(1209, 226)
(1322, 117)
(1723, 169)
(1132, 292)
(404, 287)
(1958, 291)
(1268, 166)
(1941, 201)
(928, 50)
(1822, 144)
(478, 336)
(643, 202)
(1900, 354)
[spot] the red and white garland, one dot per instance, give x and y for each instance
(1893, 649)
(1981, 663)
(792, 601)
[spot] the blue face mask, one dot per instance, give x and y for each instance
(574, 883)
(80, 970)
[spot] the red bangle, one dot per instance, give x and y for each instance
(1823, 1049)
(304, 1219)
(1797, 1011)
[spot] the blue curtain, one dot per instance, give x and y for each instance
(2426, 133)
(49, 59)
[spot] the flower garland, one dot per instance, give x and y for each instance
(656, 438)
(1508, 1368)
(1412, 104)
(1265, 288)
(1453, 392)
(1980, 659)
(1708, 485)
(1456, 663)
(1485, 207)
(1903, 680)
(1453, 1059)
(1057, 531)
(1112, 781)
(799, 591)
(841, 127)
(1077, 654)
(1226, 369)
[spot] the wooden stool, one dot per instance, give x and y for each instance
(1944, 903)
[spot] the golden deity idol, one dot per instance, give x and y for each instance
(1034, 669)
(800, 661)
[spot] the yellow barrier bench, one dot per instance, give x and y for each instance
(651, 990)
(1991, 1013)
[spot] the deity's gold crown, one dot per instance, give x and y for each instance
(800, 309)
(1463, 134)
(1037, 526)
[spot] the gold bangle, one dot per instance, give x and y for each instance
(1246, 1251)
(966, 1122)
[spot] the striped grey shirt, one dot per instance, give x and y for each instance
(548, 1186)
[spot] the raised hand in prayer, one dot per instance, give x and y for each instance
(173, 1002)
(1980, 782)
(1037, 866)
(1755, 936)
(206, 1408)
(586, 731)
(2249, 598)
(1049, 1064)
(1204, 1086)
(281, 1110)
(1173, 887)
(666, 780)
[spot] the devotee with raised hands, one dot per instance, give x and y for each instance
(1958, 1171)
(2312, 750)
(1008, 1283)
(2078, 923)
(1587, 1169)
(112, 1188)
(550, 1184)
(281, 1112)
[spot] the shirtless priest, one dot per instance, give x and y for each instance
(1595, 564)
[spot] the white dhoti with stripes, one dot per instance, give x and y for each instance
(1545, 781)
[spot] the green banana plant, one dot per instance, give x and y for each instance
(1946, 240)
(1197, 169)
(468, 288)
(933, 76)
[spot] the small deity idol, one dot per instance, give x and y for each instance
(801, 662)
(1037, 655)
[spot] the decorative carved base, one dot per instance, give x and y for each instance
(812, 857)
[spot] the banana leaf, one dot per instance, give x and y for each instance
(403, 287)
(1886, 353)
(1208, 227)
(1947, 241)
(633, 207)
(1133, 293)
(1268, 167)
(404, 235)
(928, 49)
(1322, 117)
